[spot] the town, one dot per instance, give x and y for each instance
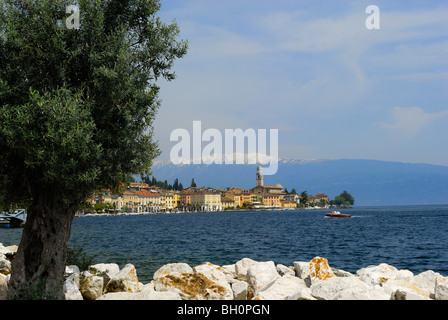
(140, 197)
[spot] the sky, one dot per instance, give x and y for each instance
(333, 88)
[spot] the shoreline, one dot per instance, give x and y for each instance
(245, 279)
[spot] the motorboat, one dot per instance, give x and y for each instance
(337, 214)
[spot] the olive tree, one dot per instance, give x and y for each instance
(76, 113)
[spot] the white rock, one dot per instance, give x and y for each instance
(284, 270)
(71, 290)
(260, 276)
(426, 281)
(3, 287)
(407, 294)
(441, 288)
(242, 266)
(302, 269)
(382, 273)
(214, 273)
(328, 289)
(125, 280)
(191, 286)
(229, 271)
(239, 289)
(369, 293)
(9, 249)
(105, 270)
(72, 272)
(286, 288)
(145, 295)
(172, 268)
(5, 266)
(91, 286)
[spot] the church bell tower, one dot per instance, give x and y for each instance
(259, 176)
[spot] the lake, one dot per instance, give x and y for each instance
(407, 237)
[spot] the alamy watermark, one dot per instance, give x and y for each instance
(227, 149)
(73, 21)
(372, 22)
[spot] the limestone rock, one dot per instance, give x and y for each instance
(441, 288)
(105, 270)
(229, 271)
(284, 270)
(286, 288)
(191, 286)
(71, 290)
(260, 276)
(91, 287)
(319, 269)
(302, 269)
(329, 288)
(5, 266)
(125, 280)
(72, 272)
(242, 266)
(407, 294)
(368, 293)
(144, 295)
(382, 273)
(214, 273)
(3, 287)
(172, 268)
(239, 289)
(426, 281)
(8, 250)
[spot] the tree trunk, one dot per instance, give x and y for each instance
(38, 269)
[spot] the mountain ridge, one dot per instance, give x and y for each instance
(371, 182)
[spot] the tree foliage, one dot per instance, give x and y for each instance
(76, 112)
(76, 106)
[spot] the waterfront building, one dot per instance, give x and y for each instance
(207, 200)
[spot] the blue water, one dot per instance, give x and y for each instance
(407, 237)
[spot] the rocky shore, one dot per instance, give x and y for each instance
(246, 279)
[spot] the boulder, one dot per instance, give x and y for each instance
(71, 290)
(329, 288)
(191, 286)
(5, 265)
(8, 250)
(302, 269)
(91, 287)
(260, 276)
(172, 268)
(144, 295)
(369, 293)
(72, 272)
(284, 270)
(441, 288)
(125, 280)
(286, 288)
(105, 270)
(407, 294)
(239, 289)
(3, 287)
(214, 273)
(426, 281)
(319, 269)
(242, 266)
(378, 275)
(229, 271)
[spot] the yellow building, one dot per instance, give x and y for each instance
(207, 201)
(271, 200)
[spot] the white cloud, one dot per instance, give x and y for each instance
(410, 121)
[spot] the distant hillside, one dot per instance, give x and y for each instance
(371, 182)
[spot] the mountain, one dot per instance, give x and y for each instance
(371, 182)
